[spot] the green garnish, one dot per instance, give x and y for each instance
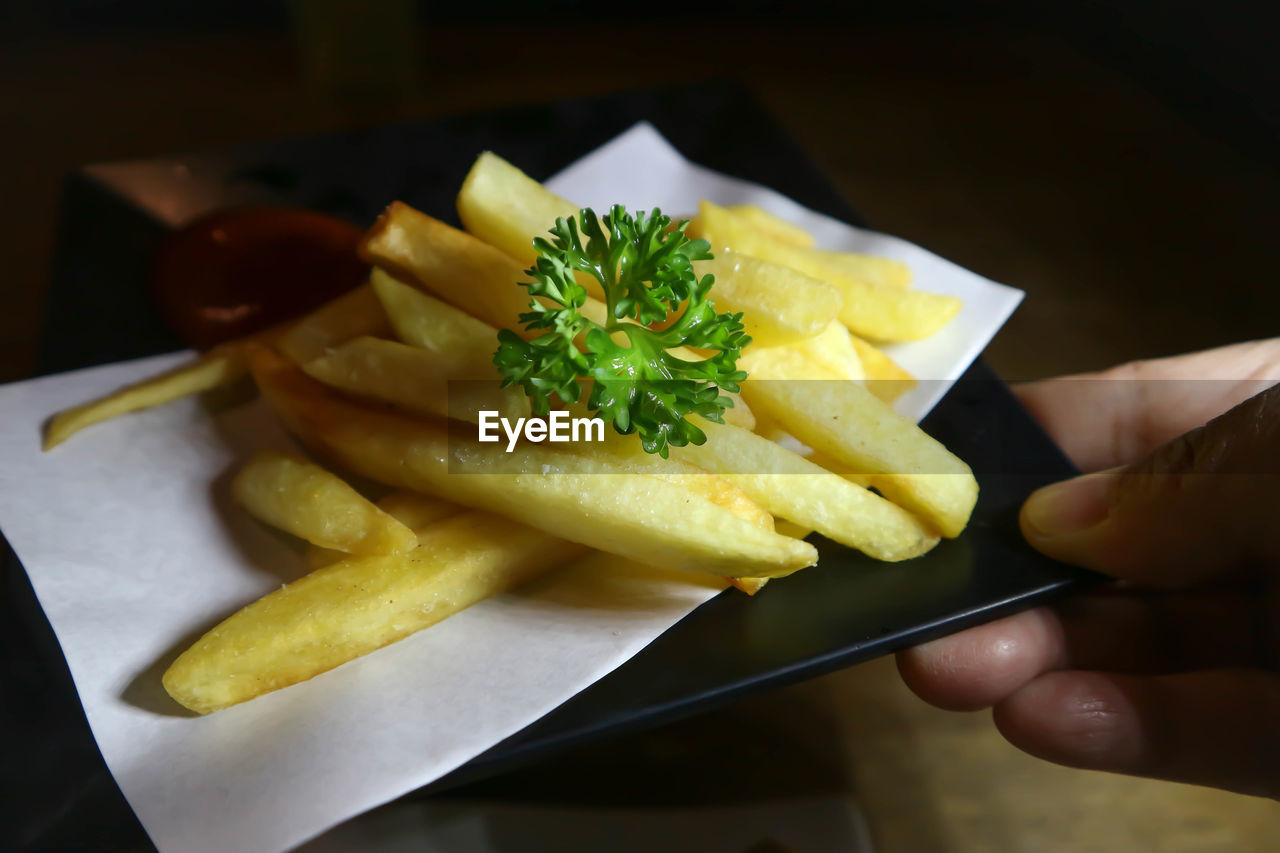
(646, 271)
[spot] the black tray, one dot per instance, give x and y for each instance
(59, 794)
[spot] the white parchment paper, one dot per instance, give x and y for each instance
(134, 549)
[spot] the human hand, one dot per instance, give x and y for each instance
(1174, 671)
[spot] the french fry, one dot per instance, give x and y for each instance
(354, 606)
(846, 421)
(749, 585)
(506, 208)
(834, 350)
(885, 378)
(625, 453)
(299, 497)
(835, 466)
(423, 321)
(791, 487)
(474, 276)
(778, 304)
(718, 490)
(415, 511)
(449, 385)
(871, 310)
(790, 528)
(873, 269)
(579, 498)
(349, 316)
(217, 368)
(775, 226)
(455, 266)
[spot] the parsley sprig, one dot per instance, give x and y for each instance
(645, 268)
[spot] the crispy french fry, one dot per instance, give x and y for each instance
(415, 511)
(423, 321)
(450, 385)
(582, 499)
(753, 585)
(506, 208)
(299, 497)
(871, 310)
(749, 585)
(775, 226)
(349, 316)
(846, 421)
(835, 466)
(790, 528)
(873, 269)
(834, 350)
(794, 488)
(456, 266)
(718, 490)
(625, 453)
(472, 275)
(215, 369)
(354, 606)
(778, 304)
(885, 378)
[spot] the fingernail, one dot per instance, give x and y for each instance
(1069, 506)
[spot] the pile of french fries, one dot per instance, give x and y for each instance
(378, 383)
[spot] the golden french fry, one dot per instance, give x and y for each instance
(718, 490)
(506, 208)
(448, 385)
(423, 321)
(835, 466)
(846, 421)
(625, 453)
(871, 310)
(778, 304)
(415, 511)
(358, 605)
(299, 497)
(455, 266)
(790, 528)
(885, 378)
(775, 226)
(834, 350)
(796, 489)
(753, 585)
(349, 316)
(873, 269)
(749, 585)
(583, 499)
(472, 275)
(215, 369)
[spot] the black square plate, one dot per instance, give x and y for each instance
(847, 610)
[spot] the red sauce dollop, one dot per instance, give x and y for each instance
(237, 271)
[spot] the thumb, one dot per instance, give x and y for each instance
(1197, 508)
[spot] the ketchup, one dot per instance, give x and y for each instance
(237, 271)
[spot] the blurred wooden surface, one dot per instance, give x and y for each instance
(1134, 233)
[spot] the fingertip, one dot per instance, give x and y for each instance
(1062, 509)
(979, 667)
(1076, 718)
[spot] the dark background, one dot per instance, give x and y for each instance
(1117, 161)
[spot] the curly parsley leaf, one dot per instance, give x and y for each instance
(654, 304)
